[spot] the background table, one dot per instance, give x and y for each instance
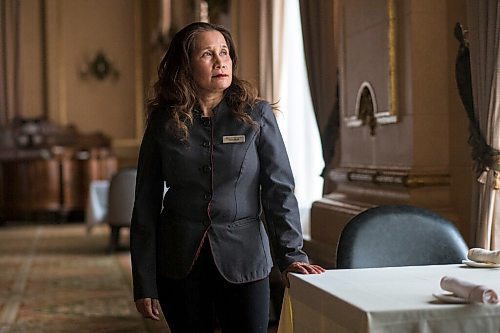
(390, 299)
(97, 204)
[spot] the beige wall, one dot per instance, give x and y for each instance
(77, 31)
(245, 32)
(462, 176)
(50, 81)
(429, 105)
(441, 132)
(31, 81)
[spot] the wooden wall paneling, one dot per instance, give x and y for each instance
(71, 182)
(57, 184)
(45, 188)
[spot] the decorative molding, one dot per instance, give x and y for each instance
(339, 204)
(391, 115)
(389, 177)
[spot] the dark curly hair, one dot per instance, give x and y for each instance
(175, 90)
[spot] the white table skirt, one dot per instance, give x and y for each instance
(97, 203)
(391, 299)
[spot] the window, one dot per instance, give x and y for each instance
(297, 120)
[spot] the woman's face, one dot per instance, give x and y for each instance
(211, 64)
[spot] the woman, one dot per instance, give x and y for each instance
(220, 153)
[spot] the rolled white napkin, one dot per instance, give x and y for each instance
(482, 255)
(469, 291)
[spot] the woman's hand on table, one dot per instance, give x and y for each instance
(301, 268)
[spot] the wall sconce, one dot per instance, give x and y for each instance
(100, 67)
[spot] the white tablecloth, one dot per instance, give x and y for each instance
(391, 299)
(97, 203)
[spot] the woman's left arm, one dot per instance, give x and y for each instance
(278, 199)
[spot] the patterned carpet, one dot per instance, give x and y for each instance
(61, 279)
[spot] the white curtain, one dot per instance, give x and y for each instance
(484, 35)
(271, 46)
(318, 22)
(297, 119)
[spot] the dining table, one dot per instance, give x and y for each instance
(97, 203)
(388, 299)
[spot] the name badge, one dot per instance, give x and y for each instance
(233, 139)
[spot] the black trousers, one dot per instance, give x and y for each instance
(204, 300)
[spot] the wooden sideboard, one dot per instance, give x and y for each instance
(55, 183)
(52, 177)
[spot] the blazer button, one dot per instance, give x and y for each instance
(208, 196)
(206, 168)
(206, 144)
(206, 121)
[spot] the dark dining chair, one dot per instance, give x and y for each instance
(120, 204)
(399, 235)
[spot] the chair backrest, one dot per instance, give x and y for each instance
(121, 197)
(399, 235)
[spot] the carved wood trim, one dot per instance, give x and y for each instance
(389, 177)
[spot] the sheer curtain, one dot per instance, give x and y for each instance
(319, 34)
(271, 47)
(484, 29)
(296, 118)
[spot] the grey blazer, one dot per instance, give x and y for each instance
(217, 186)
